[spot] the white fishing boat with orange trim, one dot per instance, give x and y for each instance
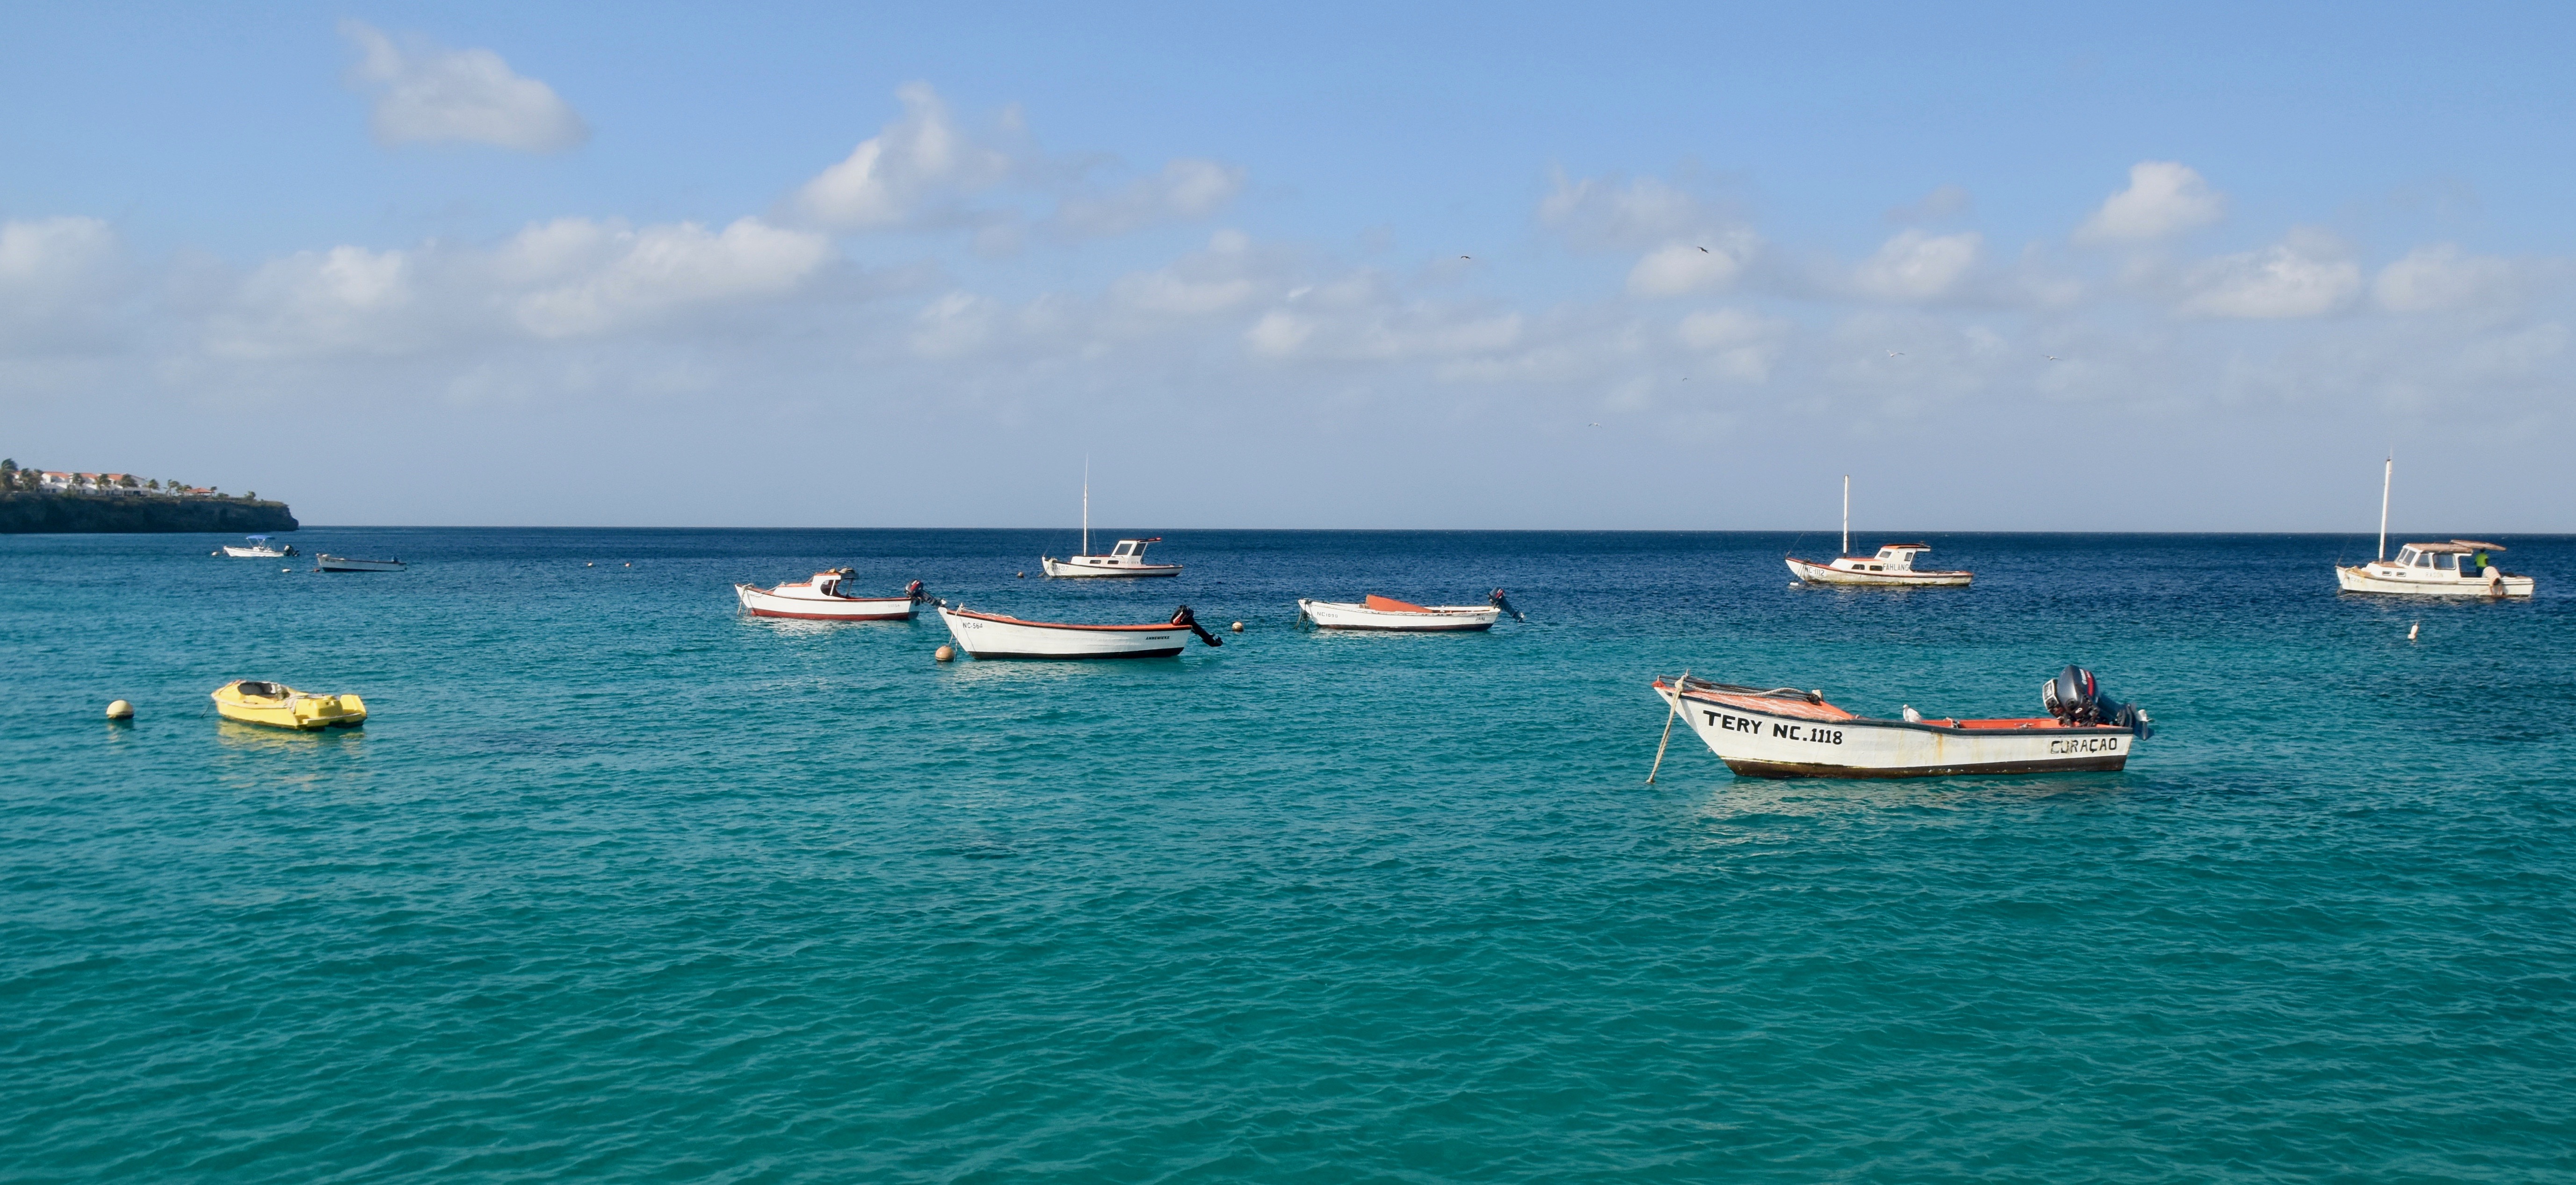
(993, 635)
(1386, 613)
(1784, 732)
(2455, 568)
(821, 597)
(1892, 566)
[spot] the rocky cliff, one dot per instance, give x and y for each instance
(29, 514)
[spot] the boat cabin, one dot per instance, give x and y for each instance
(1132, 549)
(1895, 557)
(2457, 559)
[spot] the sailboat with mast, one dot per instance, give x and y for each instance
(2453, 568)
(1126, 559)
(1892, 566)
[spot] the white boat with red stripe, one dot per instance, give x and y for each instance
(1787, 733)
(1386, 613)
(822, 598)
(992, 635)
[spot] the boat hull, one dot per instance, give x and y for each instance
(1105, 566)
(2435, 583)
(342, 563)
(764, 603)
(1814, 573)
(984, 635)
(1345, 615)
(254, 553)
(1759, 743)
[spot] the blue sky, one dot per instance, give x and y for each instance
(2012, 268)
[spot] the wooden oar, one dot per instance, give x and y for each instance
(1684, 681)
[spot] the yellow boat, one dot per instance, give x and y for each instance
(253, 702)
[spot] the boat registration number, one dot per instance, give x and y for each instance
(2086, 745)
(1793, 732)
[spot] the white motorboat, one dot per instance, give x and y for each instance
(327, 562)
(991, 635)
(1126, 559)
(2455, 568)
(259, 549)
(1787, 733)
(1386, 613)
(1892, 566)
(820, 598)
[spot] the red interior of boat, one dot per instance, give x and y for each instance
(1391, 605)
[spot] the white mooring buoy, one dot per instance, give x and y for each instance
(120, 710)
(1238, 627)
(2410, 630)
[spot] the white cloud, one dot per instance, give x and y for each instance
(428, 94)
(1683, 268)
(1605, 212)
(1916, 266)
(1186, 190)
(573, 277)
(57, 275)
(2309, 274)
(632, 275)
(2163, 198)
(913, 172)
(2440, 277)
(1733, 343)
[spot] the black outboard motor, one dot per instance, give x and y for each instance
(1183, 616)
(1504, 603)
(915, 591)
(2074, 698)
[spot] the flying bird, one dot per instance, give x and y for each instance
(1595, 424)
(1703, 250)
(2050, 357)
(1896, 353)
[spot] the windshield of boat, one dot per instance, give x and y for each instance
(1123, 549)
(2405, 557)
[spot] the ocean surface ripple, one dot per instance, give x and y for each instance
(617, 882)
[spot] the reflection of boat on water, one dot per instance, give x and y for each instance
(1386, 613)
(819, 598)
(991, 635)
(327, 562)
(1787, 733)
(1892, 566)
(277, 705)
(2456, 568)
(259, 549)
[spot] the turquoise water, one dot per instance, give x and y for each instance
(619, 884)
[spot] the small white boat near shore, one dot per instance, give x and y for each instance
(1787, 733)
(259, 549)
(1386, 613)
(821, 598)
(992, 635)
(1891, 567)
(327, 562)
(2453, 568)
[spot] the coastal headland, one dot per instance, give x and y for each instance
(48, 513)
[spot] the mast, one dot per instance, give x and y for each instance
(1846, 515)
(2386, 475)
(1086, 504)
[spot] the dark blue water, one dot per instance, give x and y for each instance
(618, 883)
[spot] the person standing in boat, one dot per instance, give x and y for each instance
(2482, 559)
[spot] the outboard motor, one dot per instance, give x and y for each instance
(1183, 616)
(2073, 697)
(919, 597)
(1504, 603)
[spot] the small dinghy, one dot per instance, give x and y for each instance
(991, 635)
(1788, 733)
(1386, 613)
(821, 598)
(280, 706)
(327, 562)
(259, 549)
